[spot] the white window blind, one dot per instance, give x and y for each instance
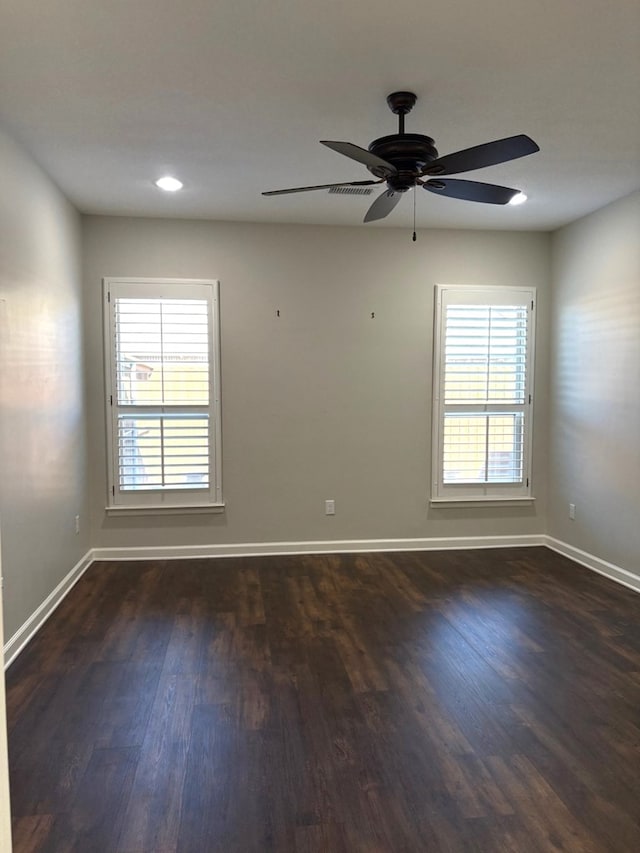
(164, 420)
(482, 392)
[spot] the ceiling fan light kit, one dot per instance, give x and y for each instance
(407, 160)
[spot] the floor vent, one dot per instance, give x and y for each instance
(351, 190)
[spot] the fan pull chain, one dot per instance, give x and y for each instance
(414, 215)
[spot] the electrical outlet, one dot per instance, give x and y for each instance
(330, 507)
(77, 524)
(572, 512)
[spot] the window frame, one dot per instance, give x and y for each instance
(163, 500)
(475, 493)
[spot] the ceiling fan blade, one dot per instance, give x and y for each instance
(382, 206)
(324, 187)
(361, 155)
(489, 154)
(471, 191)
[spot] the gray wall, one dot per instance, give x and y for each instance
(322, 402)
(42, 447)
(595, 411)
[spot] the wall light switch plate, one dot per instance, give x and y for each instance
(330, 507)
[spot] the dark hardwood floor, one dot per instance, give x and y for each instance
(438, 701)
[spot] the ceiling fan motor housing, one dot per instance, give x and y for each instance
(408, 152)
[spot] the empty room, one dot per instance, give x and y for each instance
(320, 427)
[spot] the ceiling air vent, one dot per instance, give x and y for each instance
(351, 190)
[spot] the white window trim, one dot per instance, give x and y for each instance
(164, 502)
(470, 494)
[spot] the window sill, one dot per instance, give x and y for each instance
(160, 509)
(488, 501)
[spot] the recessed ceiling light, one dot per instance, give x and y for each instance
(169, 184)
(519, 198)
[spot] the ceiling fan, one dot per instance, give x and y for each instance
(405, 160)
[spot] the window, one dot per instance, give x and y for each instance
(483, 393)
(163, 393)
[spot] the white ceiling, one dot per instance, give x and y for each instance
(232, 96)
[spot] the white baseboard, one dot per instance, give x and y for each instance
(19, 640)
(346, 546)
(609, 570)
